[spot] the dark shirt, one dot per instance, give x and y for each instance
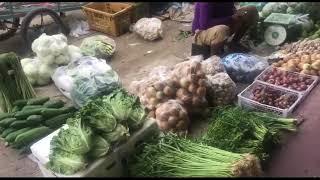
(209, 14)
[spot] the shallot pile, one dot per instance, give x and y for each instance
(286, 79)
(272, 97)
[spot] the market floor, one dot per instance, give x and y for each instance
(133, 60)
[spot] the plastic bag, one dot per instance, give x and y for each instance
(172, 116)
(99, 46)
(221, 89)
(243, 67)
(156, 88)
(84, 78)
(212, 65)
(149, 28)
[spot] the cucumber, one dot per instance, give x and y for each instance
(19, 124)
(69, 109)
(2, 129)
(34, 120)
(38, 101)
(25, 114)
(6, 122)
(12, 136)
(51, 112)
(56, 103)
(20, 103)
(7, 131)
(15, 109)
(30, 136)
(6, 115)
(29, 107)
(58, 121)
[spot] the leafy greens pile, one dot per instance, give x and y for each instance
(101, 124)
(237, 130)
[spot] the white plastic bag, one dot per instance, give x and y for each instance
(149, 28)
(84, 78)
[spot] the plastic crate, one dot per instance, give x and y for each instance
(246, 102)
(111, 165)
(303, 93)
(110, 18)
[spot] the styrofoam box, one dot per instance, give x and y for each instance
(108, 166)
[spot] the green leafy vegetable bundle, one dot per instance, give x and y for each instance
(100, 125)
(237, 130)
(178, 157)
(14, 84)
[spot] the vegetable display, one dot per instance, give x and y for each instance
(287, 79)
(272, 97)
(14, 84)
(99, 46)
(51, 52)
(100, 125)
(34, 119)
(172, 156)
(237, 130)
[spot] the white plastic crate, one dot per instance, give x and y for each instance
(246, 102)
(112, 164)
(303, 93)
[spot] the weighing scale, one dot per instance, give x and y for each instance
(280, 28)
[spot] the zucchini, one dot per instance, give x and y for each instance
(38, 101)
(58, 121)
(51, 112)
(6, 115)
(12, 136)
(30, 136)
(6, 122)
(25, 114)
(20, 103)
(56, 103)
(7, 131)
(29, 107)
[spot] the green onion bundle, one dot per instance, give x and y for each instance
(14, 84)
(172, 156)
(237, 130)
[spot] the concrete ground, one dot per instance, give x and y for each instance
(298, 157)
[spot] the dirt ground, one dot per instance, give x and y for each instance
(298, 157)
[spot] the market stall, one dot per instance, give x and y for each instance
(146, 129)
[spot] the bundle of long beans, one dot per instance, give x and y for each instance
(172, 156)
(14, 84)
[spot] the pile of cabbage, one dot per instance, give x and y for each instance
(51, 52)
(100, 125)
(99, 46)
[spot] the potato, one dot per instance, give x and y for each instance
(160, 95)
(168, 91)
(182, 92)
(186, 99)
(153, 101)
(172, 121)
(184, 82)
(159, 86)
(151, 92)
(201, 91)
(305, 59)
(192, 88)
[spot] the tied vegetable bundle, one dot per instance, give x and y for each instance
(178, 157)
(101, 125)
(240, 131)
(14, 84)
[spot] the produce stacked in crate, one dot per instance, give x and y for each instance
(186, 86)
(33, 119)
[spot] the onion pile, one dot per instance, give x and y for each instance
(302, 46)
(191, 83)
(272, 97)
(287, 79)
(172, 116)
(221, 89)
